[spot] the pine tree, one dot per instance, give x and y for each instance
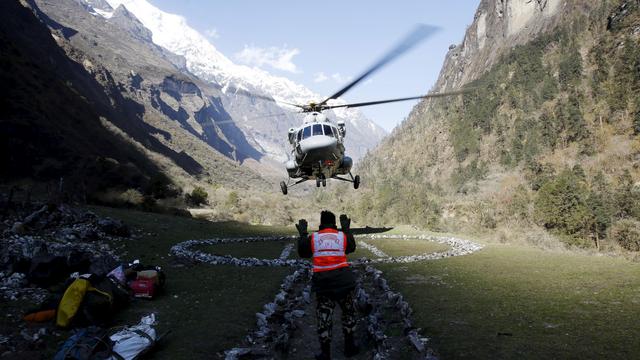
(601, 206)
(570, 67)
(636, 116)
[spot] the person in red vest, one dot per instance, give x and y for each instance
(333, 281)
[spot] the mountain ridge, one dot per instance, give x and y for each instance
(204, 60)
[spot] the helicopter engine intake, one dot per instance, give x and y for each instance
(292, 168)
(345, 166)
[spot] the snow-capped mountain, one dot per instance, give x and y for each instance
(205, 61)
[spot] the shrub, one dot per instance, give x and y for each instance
(161, 187)
(627, 197)
(233, 200)
(626, 233)
(549, 88)
(132, 197)
(518, 207)
(198, 196)
(570, 67)
(561, 204)
(636, 117)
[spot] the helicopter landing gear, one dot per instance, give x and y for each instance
(321, 180)
(284, 186)
(354, 179)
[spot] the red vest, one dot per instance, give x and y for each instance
(329, 248)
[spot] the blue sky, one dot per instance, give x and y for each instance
(323, 44)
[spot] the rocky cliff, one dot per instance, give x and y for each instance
(497, 26)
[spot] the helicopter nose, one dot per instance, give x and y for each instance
(318, 146)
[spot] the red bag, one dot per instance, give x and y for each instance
(143, 288)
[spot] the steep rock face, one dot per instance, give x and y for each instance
(128, 22)
(498, 25)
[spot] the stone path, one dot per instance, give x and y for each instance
(285, 328)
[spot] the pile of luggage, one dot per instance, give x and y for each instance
(89, 303)
(91, 299)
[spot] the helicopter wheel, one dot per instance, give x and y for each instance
(324, 182)
(283, 187)
(356, 182)
(318, 182)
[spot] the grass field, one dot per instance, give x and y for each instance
(257, 249)
(509, 302)
(503, 302)
(207, 308)
(404, 247)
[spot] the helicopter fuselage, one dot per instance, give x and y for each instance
(318, 149)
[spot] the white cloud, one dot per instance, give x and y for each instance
(212, 33)
(277, 58)
(320, 77)
(339, 78)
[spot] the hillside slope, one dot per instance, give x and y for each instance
(547, 136)
(53, 112)
(93, 102)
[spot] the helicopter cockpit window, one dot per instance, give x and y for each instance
(317, 129)
(306, 132)
(327, 130)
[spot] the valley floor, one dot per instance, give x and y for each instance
(516, 302)
(502, 302)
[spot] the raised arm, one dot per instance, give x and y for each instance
(304, 241)
(345, 224)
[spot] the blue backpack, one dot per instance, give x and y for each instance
(90, 343)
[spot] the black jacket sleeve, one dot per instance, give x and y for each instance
(351, 242)
(304, 246)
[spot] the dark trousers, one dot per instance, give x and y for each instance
(324, 315)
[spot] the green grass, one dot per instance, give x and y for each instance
(207, 308)
(404, 247)
(259, 249)
(516, 302)
(500, 303)
(361, 252)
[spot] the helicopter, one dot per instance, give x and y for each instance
(318, 144)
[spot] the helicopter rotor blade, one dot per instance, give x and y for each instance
(282, 114)
(248, 94)
(235, 122)
(420, 33)
(369, 103)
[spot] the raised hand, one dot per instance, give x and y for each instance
(345, 222)
(302, 226)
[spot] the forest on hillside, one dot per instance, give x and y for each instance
(547, 138)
